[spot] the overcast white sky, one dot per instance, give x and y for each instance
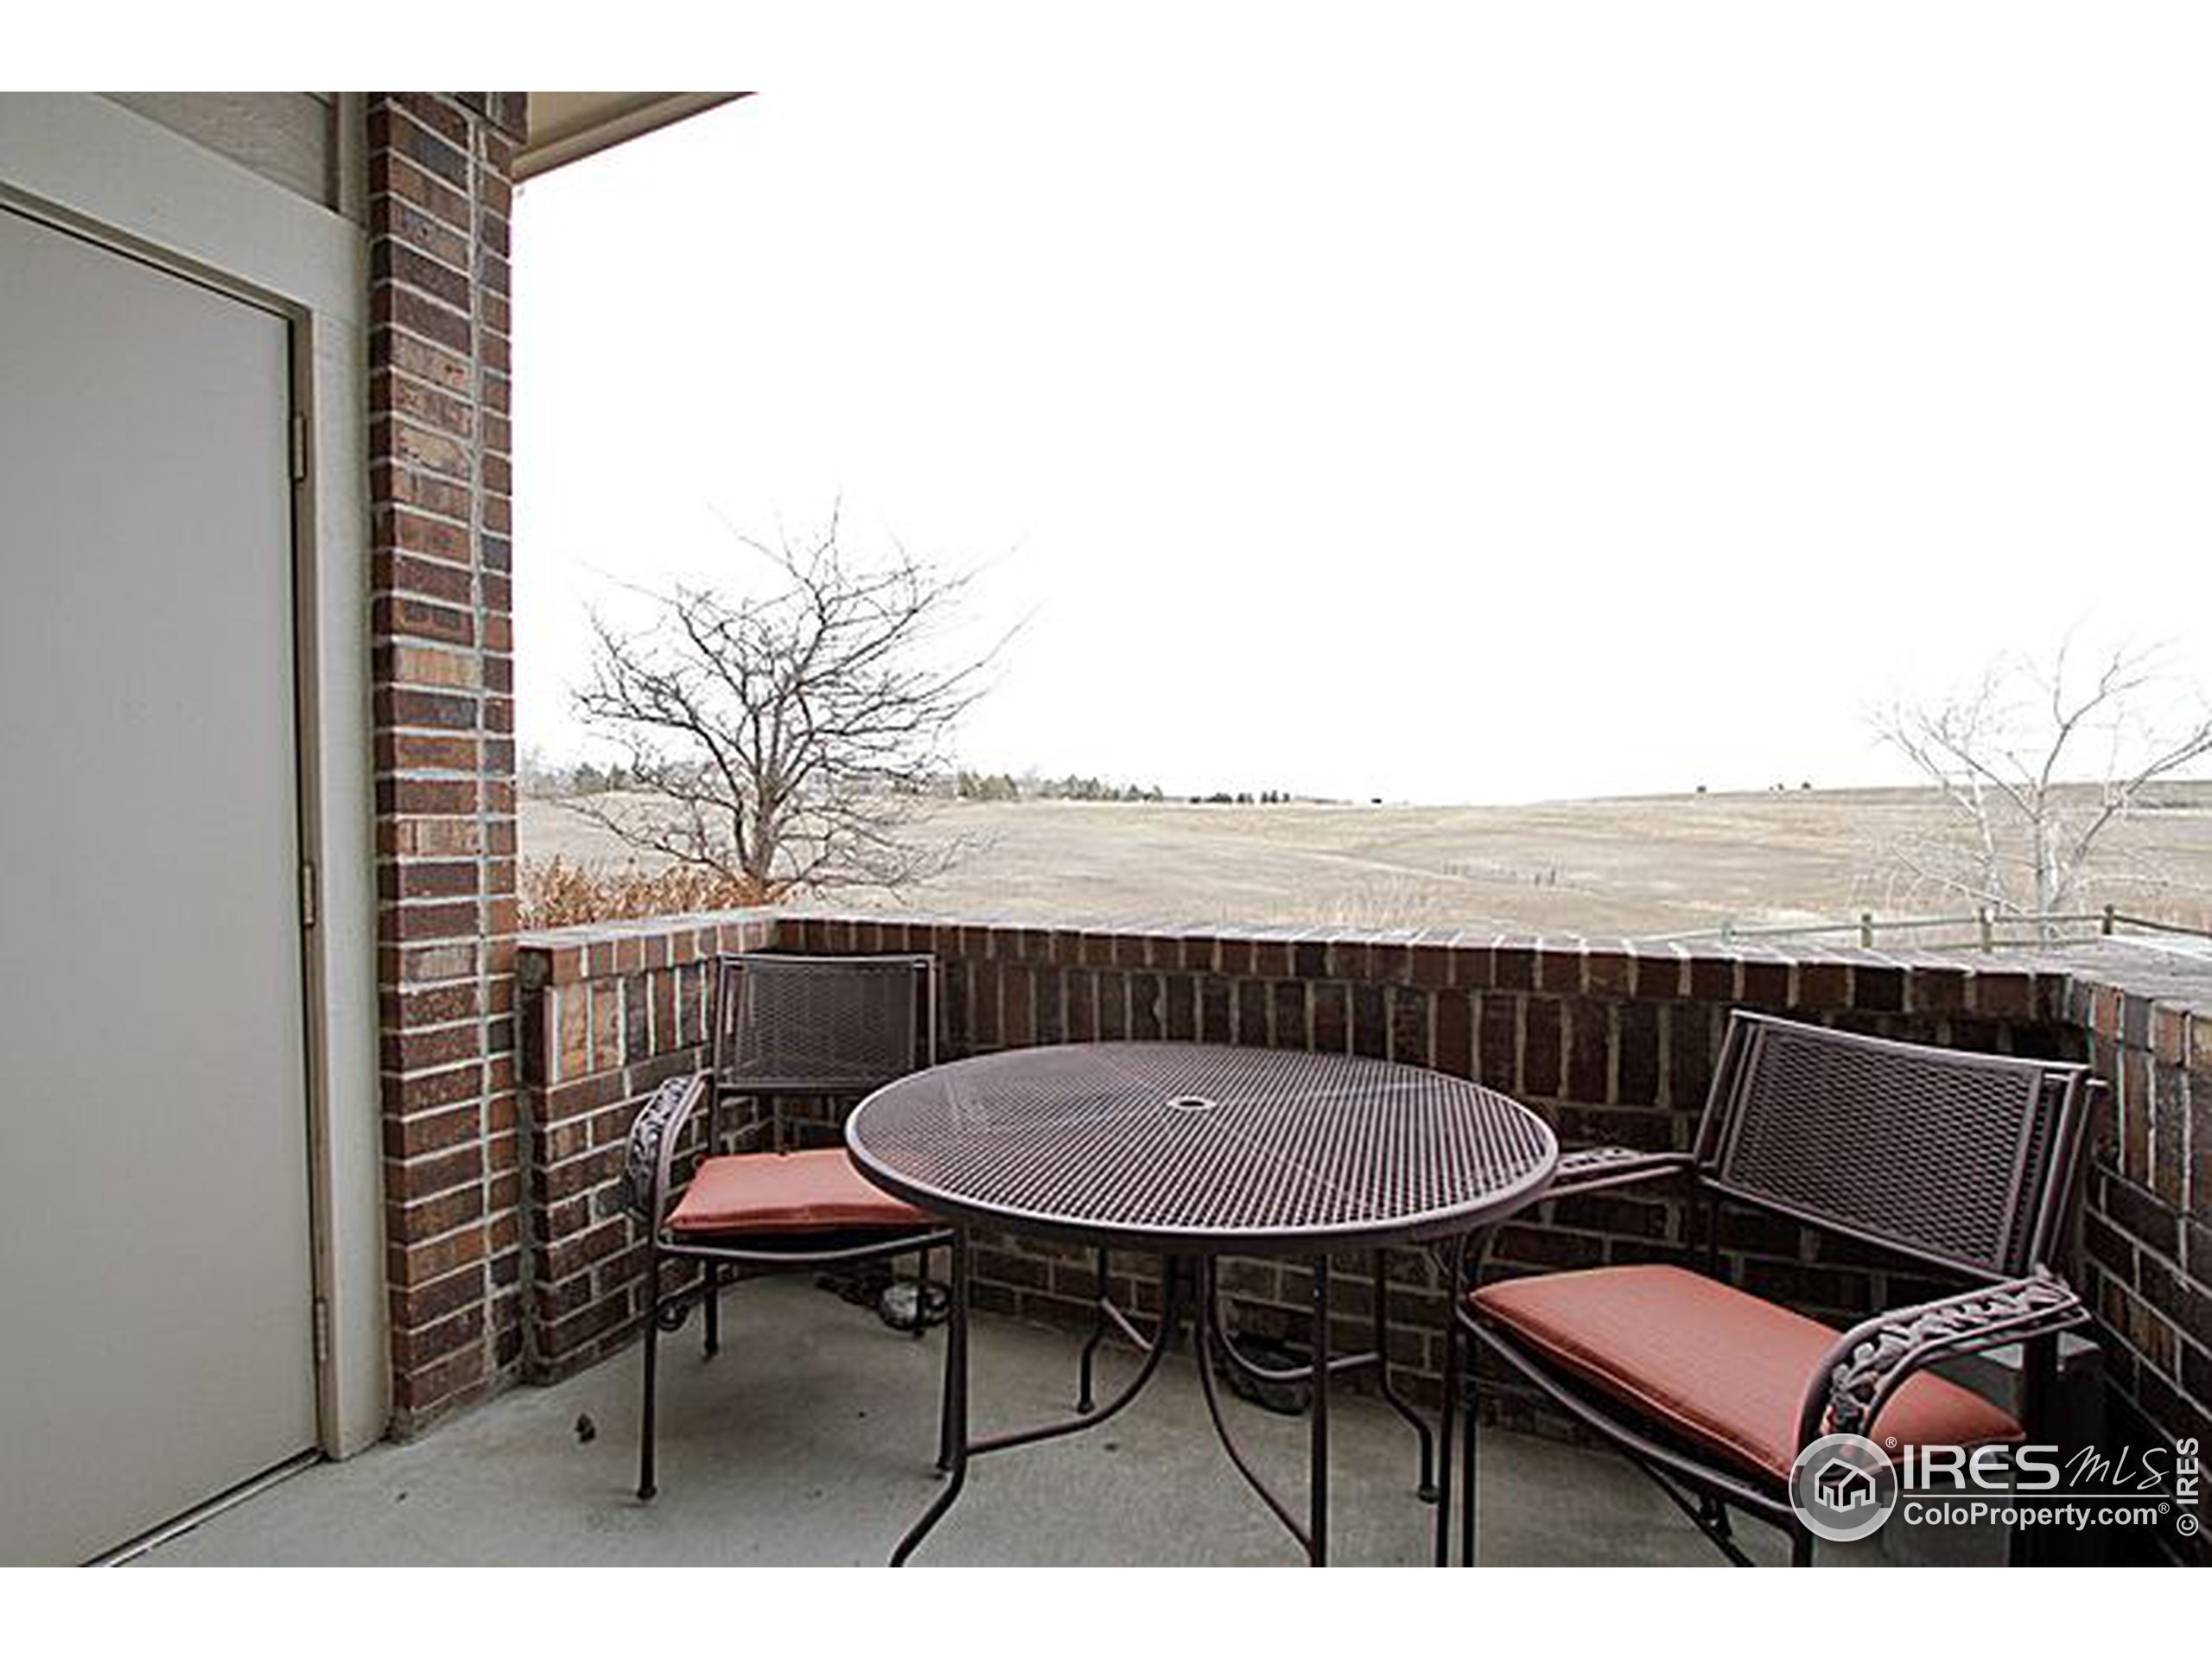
(1582, 402)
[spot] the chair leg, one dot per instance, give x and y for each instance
(646, 1486)
(2038, 1386)
(714, 1298)
(921, 1295)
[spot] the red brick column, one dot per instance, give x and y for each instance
(440, 191)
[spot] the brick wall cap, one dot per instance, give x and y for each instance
(557, 956)
(2178, 982)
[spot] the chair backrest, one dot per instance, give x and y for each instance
(1963, 1159)
(649, 1152)
(821, 1025)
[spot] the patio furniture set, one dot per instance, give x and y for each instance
(1191, 1154)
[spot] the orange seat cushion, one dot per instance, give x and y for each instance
(786, 1192)
(1717, 1366)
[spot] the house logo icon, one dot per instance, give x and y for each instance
(1843, 1487)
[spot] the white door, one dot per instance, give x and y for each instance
(156, 1292)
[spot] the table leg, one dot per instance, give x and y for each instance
(1396, 1401)
(1317, 1538)
(1443, 1551)
(1471, 1425)
(957, 1446)
(952, 1451)
(1084, 1401)
(1154, 1351)
(1209, 1339)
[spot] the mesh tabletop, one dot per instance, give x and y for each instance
(1179, 1146)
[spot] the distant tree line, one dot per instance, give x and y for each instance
(559, 780)
(1030, 786)
(555, 779)
(1005, 786)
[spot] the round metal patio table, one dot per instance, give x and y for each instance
(1195, 1152)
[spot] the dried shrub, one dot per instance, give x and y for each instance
(556, 894)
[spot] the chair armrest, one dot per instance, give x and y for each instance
(650, 1149)
(1875, 1358)
(1596, 1167)
(1592, 1169)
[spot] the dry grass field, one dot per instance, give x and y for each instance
(1640, 867)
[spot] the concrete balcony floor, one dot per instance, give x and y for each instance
(808, 1441)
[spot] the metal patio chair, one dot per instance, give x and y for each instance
(783, 1026)
(1963, 1162)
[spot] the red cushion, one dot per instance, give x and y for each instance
(1714, 1364)
(786, 1192)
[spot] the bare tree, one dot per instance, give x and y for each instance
(786, 741)
(2037, 763)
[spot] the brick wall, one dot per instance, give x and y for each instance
(443, 710)
(608, 1014)
(2146, 1258)
(1612, 1041)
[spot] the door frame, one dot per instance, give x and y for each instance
(91, 168)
